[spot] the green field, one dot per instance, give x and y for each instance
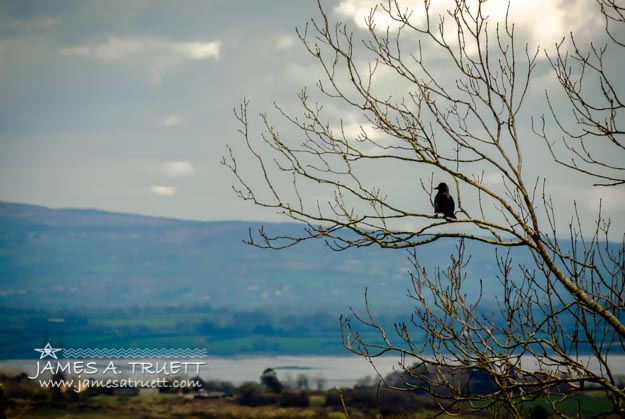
(170, 406)
(220, 332)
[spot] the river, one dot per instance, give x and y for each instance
(334, 371)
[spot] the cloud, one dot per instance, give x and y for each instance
(156, 56)
(199, 50)
(287, 41)
(75, 51)
(360, 10)
(492, 179)
(546, 21)
(119, 49)
(611, 199)
(163, 190)
(173, 121)
(177, 168)
(114, 49)
(354, 130)
(302, 73)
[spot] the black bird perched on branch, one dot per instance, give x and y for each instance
(443, 202)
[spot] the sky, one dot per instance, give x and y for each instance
(127, 105)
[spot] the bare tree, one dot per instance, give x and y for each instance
(596, 142)
(459, 115)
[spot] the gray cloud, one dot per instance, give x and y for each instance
(119, 104)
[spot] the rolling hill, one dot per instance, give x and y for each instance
(77, 258)
(91, 278)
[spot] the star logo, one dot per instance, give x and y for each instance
(48, 351)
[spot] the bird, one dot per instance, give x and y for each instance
(443, 202)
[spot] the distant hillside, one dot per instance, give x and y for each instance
(74, 258)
